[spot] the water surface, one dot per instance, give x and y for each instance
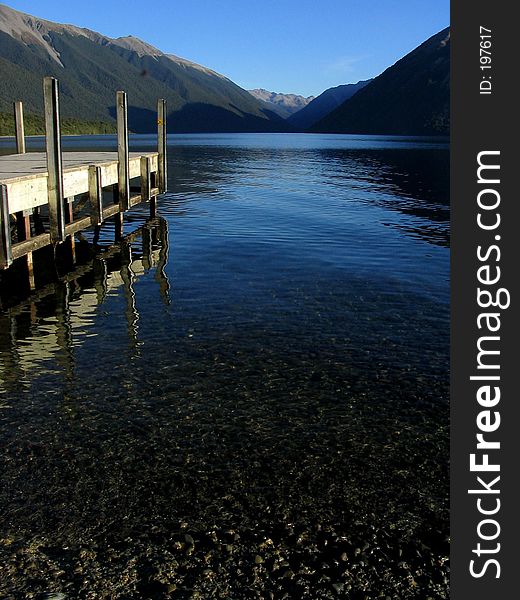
(250, 396)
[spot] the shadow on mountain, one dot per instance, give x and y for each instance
(140, 120)
(412, 97)
(205, 118)
(198, 117)
(92, 67)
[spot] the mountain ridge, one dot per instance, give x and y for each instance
(91, 67)
(411, 97)
(284, 104)
(327, 101)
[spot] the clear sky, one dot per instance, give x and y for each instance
(291, 46)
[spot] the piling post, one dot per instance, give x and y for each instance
(54, 160)
(122, 151)
(118, 217)
(6, 256)
(146, 179)
(19, 127)
(70, 219)
(96, 194)
(161, 144)
(23, 229)
(23, 219)
(146, 183)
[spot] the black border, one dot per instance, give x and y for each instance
(483, 122)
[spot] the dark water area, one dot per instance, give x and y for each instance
(248, 398)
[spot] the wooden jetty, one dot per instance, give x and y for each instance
(48, 197)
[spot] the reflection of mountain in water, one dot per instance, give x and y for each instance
(56, 317)
(419, 183)
(413, 184)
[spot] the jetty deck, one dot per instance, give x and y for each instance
(48, 197)
(25, 175)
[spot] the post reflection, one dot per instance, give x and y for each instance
(53, 322)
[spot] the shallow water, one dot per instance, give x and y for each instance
(268, 360)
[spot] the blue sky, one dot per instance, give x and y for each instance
(298, 46)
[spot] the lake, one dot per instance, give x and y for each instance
(248, 399)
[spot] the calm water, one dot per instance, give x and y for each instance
(260, 375)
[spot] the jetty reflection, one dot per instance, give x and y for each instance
(54, 319)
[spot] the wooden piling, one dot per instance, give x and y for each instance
(161, 144)
(70, 220)
(19, 127)
(23, 218)
(146, 178)
(23, 229)
(122, 151)
(118, 217)
(54, 160)
(6, 254)
(95, 194)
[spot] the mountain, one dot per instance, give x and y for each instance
(412, 97)
(92, 67)
(324, 103)
(35, 125)
(284, 104)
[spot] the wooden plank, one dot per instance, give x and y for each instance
(35, 243)
(96, 194)
(30, 192)
(6, 256)
(39, 241)
(161, 144)
(122, 151)
(26, 195)
(19, 127)
(54, 160)
(78, 225)
(16, 167)
(110, 211)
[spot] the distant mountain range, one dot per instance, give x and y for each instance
(409, 98)
(92, 67)
(324, 104)
(284, 104)
(412, 97)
